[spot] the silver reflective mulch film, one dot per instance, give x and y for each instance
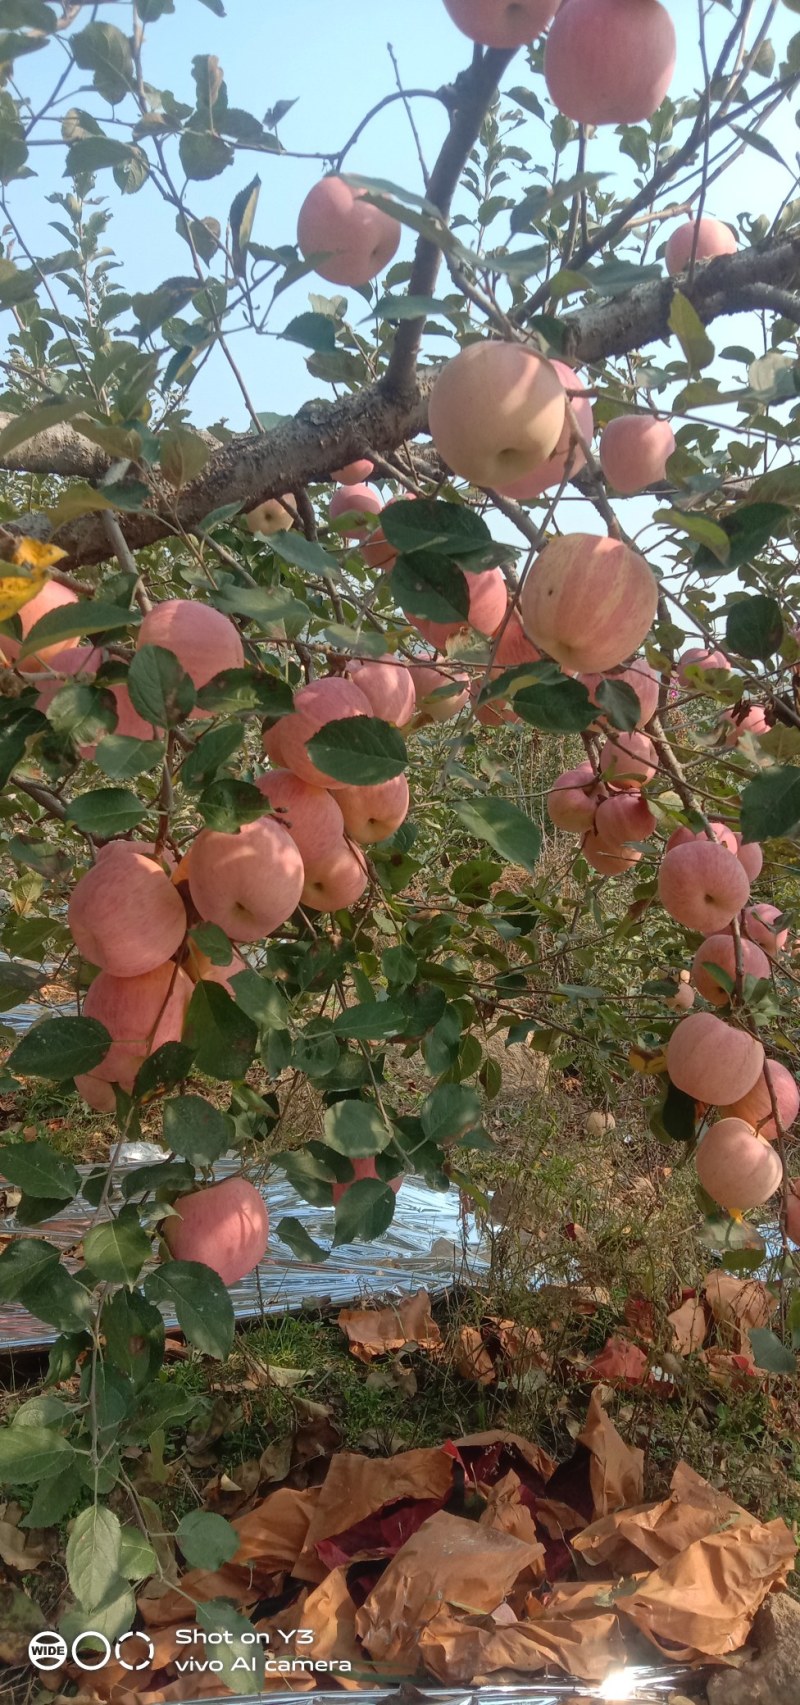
(637, 1686)
(431, 1242)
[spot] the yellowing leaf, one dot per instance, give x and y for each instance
(647, 1064)
(33, 559)
(32, 553)
(18, 589)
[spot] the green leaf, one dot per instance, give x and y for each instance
(55, 1496)
(103, 49)
(165, 1068)
(39, 1171)
(619, 703)
(137, 1559)
(29, 1454)
(616, 277)
(75, 621)
(431, 587)
(301, 1243)
(770, 807)
(755, 626)
(240, 219)
(749, 528)
(25, 1262)
(314, 331)
(359, 750)
(678, 1115)
(558, 707)
(449, 1112)
(22, 427)
(356, 1129)
(106, 812)
(372, 1021)
(59, 1299)
(504, 828)
(259, 996)
(303, 553)
(227, 804)
(60, 1047)
(364, 1212)
(206, 1540)
(121, 758)
(224, 1039)
(769, 1353)
(153, 307)
(81, 712)
(211, 752)
(204, 155)
(197, 1130)
(396, 308)
(200, 1302)
(241, 690)
(449, 529)
(134, 1334)
(268, 606)
(93, 1557)
(17, 983)
(238, 1644)
(159, 688)
(116, 1251)
(692, 336)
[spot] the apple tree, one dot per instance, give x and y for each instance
(288, 713)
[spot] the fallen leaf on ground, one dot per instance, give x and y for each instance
(621, 1361)
(20, 1550)
(375, 1332)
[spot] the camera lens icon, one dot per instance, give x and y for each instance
(47, 1651)
(144, 1650)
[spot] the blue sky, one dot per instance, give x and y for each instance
(333, 58)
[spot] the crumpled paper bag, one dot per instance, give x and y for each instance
(449, 1564)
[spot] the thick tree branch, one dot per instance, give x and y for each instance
(324, 436)
(472, 96)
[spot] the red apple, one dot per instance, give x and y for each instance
(312, 816)
(714, 239)
(140, 1014)
(348, 240)
(582, 573)
(496, 412)
(634, 451)
(702, 885)
(388, 685)
(125, 915)
(374, 813)
(363, 1167)
(337, 882)
(248, 883)
(224, 1226)
(610, 61)
(328, 699)
(713, 1061)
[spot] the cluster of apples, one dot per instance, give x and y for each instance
(127, 914)
(704, 884)
(606, 805)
